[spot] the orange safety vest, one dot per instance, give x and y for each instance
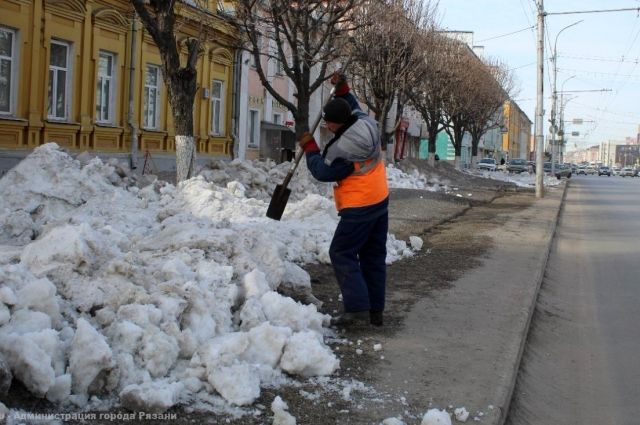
(366, 186)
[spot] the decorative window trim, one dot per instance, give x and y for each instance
(112, 88)
(253, 138)
(68, 81)
(13, 81)
(158, 91)
(221, 131)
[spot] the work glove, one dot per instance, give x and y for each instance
(339, 80)
(308, 143)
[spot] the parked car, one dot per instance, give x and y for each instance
(517, 166)
(582, 169)
(561, 170)
(604, 170)
(615, 171)
(591, 169)
(627, 172)
(488, 164)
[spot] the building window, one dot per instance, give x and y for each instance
(105, 88)
(254, 128)
(7, 70)
(59, 78)
(217, 111)
(151, 97)
(277, 118)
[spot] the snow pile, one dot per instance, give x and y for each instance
(258, 177)
(521, 179)
(413, 180)
(158, 295)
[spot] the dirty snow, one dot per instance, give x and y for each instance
(160, 295)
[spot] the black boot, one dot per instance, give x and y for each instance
(351, 319)
(375, 318)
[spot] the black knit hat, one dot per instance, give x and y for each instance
(337, 111)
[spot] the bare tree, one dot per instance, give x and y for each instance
(159, 20)
(387, 55)
(427, 94)
(496, 87)
(457, 112)
(307, 37)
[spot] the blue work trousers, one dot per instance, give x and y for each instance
(358, 252)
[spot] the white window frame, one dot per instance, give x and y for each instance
(53, 82)
(145, 100)
(253, 129)
(277, 118)
(217, 123)
(102, 81)
(13, 79)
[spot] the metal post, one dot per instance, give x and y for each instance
(539, 138)
(554, 142)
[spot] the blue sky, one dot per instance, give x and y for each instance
(602, 52)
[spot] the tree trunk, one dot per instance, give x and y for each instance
(181, 98)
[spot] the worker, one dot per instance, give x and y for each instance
(353, 160)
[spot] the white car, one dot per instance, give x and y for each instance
(488, 164)
(627, 172)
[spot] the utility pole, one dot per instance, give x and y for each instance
(554, 101)
(539, 138)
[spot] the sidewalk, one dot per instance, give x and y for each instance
(462, 346)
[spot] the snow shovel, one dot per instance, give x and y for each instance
(281, 193)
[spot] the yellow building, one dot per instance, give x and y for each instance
(516, 140)
(67, 68)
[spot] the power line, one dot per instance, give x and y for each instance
(637, 9)
(622, 59)
(508, 34)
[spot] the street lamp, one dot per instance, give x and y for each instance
(554, 127)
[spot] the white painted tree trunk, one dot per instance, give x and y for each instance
(474, 162)
(185, 157)
(431, 159)
(456, 162)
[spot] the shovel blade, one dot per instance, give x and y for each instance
(278, 202)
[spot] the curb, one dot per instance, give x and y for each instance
(525, 332)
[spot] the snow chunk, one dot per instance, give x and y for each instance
(416, 243)
(5, 314)
(238, 384)
(153, 397)
(436, 417)
(255, 284)
(90, 355)
(306, 355)
(266, 344)
(29, 363)
(7, 296)
(280, 414)
(60, 390)
(461, 414)
(284, 311)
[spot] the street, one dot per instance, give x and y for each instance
(580, 365)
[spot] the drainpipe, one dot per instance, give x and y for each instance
(132, 76)
(235, 103)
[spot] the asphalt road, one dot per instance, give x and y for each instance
(582, 364)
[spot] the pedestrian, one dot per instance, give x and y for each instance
(353, 160)
(502, 161)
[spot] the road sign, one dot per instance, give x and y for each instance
(577, 121)
(575, 133)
